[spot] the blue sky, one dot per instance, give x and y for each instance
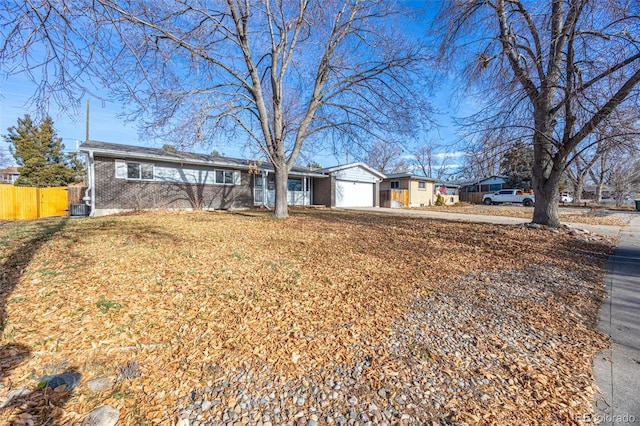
(107, 125)
(15, 92)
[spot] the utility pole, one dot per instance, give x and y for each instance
(86, 136)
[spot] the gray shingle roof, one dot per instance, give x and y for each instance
(408, 175)
(123, 151)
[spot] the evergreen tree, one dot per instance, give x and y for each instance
(39, 155)
(517, 166)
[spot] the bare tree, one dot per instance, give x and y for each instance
(483, 156)
(556, 70)
(386, 157)
(273, 72)
(4, 159)
(592, 158)
(624, 177)
(431, 159)
(578, 171)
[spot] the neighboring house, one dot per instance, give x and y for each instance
(349, 185)
(126, 177)
(472, 190)
(407, 190)
(485, 184)
(9, 175)
(449, 192)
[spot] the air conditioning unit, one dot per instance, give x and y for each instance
(78, 210)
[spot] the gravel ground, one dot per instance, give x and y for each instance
(477, 352)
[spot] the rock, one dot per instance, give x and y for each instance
(69, 380)
(99, 384)
(206, 405)
(105, 415)
(382, 392)
(353, 400)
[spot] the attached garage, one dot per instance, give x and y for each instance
(351, 185)
(354, 194)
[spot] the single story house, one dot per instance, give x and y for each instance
(9, 175)
(484, 184)
(349, 185)
(407, 190)
(126, 178)
(450, 192)
(472, 190)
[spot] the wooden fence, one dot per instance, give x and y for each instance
(26, 203)
(472, 197)
(75, 194)
(394, 198)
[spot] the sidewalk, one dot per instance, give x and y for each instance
(617, 369)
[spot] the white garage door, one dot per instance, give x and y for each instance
(354, 194)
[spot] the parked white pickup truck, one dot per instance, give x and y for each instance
(509, 196)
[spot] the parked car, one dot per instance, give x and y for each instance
(509, 196)
(566, 198)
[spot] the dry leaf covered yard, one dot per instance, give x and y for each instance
(326, 317)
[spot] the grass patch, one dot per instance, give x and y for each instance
(105, 305)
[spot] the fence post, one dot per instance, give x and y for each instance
(38, 203)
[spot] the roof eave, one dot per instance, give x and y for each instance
(181, 160)
(168, 159)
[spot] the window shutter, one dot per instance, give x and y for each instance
(237, 178)
(121, 169)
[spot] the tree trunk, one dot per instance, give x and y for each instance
(598, 195)
(545, 211)
(545, 184)
(281, 210)
(578, 188)
(547, 171)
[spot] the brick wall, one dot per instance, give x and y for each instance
(324, 191)
(112, 193)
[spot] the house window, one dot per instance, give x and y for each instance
(422, 185)
(224, 177)
(394, 185)
(495, 187)
(139, 171)
(294, 185)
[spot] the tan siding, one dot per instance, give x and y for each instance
(420, 197)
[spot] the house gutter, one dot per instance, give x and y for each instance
(90, 200)
(265, 191)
